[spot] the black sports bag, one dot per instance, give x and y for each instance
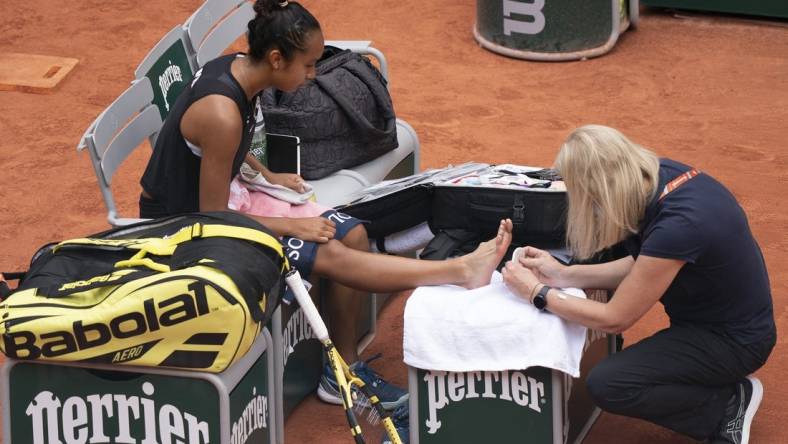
(537, 214)
(344, 117)
(189, 291)
(396, 205)
(464, 204)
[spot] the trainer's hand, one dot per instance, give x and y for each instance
(314, 229)
(519, 279)
(544, 266)
(292, 181)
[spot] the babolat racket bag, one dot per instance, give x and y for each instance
(190, 292)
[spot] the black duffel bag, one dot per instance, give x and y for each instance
(344, 117)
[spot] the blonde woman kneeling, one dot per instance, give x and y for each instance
(690, 248)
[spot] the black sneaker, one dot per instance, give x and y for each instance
(391, 397)
(735, 427)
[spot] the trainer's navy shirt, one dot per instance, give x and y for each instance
(172, 177)
(724, 283)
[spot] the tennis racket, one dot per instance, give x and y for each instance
(344, 375)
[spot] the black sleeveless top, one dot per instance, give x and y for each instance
(172, 177)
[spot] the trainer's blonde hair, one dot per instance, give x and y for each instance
(610, 181)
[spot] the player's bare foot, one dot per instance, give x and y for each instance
(480, 264)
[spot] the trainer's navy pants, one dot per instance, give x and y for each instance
(680, 378)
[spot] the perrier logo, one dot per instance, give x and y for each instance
(170, 75)
(443, 388)
(88, 419)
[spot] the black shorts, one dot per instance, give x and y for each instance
(302, 254)
(151, 208)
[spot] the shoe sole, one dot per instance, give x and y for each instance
(327, 397)
(752, 407)
(392, 405)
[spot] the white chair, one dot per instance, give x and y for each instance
(120, 129)
(215, 26)
(169, 66)
(170, 51)
(174, 40)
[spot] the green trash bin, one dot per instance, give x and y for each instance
(557, 30)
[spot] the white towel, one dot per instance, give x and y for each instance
(487, 329)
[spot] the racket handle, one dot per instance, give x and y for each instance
(293, 279)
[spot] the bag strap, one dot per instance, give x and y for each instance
(165, 246)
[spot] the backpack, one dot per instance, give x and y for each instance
(190, 291)
(344, 117)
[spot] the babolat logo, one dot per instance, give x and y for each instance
(171, 75)
(105, 278)
(254, 417)
(86, 419)
(23, 344)
(296, 330)
(446, 387)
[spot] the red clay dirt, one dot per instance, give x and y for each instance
(709, 91)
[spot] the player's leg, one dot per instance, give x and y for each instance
(386, 274)
(344, 304)
(344, 309)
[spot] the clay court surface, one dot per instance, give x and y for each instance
(706, 90)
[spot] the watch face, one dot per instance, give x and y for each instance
(540, 302)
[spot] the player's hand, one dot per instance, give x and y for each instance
(292, 181)
(313, 229)
(544, 266)
(519, 279)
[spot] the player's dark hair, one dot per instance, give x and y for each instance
(281, 25)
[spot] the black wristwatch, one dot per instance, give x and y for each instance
(540, 300)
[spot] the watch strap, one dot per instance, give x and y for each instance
(541, 295)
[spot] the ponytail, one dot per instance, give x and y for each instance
(279, 24)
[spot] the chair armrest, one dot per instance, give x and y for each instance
(83, 141)
(337, 188)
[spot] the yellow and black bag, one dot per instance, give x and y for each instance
(190, 292)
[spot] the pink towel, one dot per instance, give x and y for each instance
(258, 203)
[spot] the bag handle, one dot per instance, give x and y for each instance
(365, 72)
(5, 290)
(166, 246)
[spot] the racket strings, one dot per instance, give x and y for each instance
(363, 405)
